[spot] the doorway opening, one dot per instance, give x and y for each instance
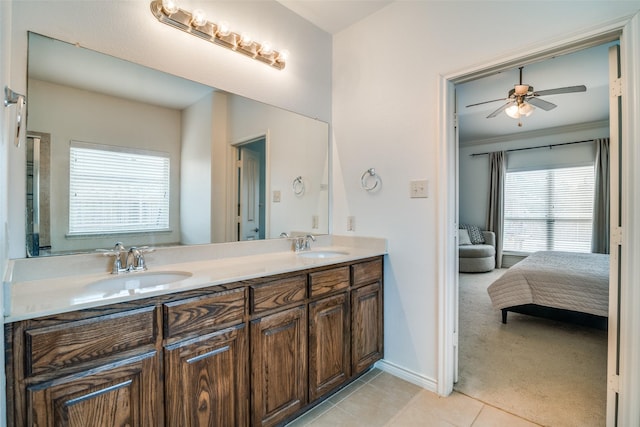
(450, 207)
(251, 189)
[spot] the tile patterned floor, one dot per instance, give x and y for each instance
(381, 399)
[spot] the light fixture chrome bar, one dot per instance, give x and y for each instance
(187, 22)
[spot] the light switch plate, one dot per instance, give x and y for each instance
(276, 196)
(419, 189)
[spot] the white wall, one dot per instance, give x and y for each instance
(474, 171)
(195, 180)
(297, 147)
(72, 114)
(386, 71)
(128, 30)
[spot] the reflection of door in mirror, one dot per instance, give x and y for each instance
(38, 181)
(251, 190)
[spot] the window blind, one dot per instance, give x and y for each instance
(114, 190)
(549, 209)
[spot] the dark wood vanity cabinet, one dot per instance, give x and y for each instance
(254, 353)
(98, 368)
(329, 331)
(367, 328)
(206, 360)
(278, 366)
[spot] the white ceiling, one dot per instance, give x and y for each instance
(334, 15)
(587, 67)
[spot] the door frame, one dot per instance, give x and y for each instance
(628, 31)
(232, 183)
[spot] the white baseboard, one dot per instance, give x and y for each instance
(407, 375)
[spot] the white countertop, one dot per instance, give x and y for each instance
(47, 294)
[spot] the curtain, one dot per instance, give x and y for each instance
(600, 234)
(495, 215)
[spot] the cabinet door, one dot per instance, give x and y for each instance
(366, 327)
(278, 366)
(123, 393)
(206, 380)
(329, 364)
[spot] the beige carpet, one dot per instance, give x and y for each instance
(548, 372)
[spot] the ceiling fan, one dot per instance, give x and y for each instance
(522, 98)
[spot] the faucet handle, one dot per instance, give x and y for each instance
(307, 241)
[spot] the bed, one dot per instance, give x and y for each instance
(565, 286)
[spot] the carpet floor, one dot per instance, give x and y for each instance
(549, 372)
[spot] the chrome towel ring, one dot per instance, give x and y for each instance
(10, 98)
(370, 180)
(298, 186)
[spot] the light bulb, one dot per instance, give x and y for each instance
(266, 49)
(223, 29)
(513, 112)
(169, 6)
(283, 55)
(198, 18)
(525, 109)
(245, 39)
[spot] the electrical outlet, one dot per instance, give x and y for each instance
(314, 221)
(276, 196)
(419, 189)
(351, 223)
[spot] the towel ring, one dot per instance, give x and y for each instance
(298, 186)
(10, 98)
(366, 180)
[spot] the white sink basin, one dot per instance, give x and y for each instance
(133, 281)
(322, 254)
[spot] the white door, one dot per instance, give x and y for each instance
(249, 195)
(613, 358)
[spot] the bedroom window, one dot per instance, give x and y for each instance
(115, 190)
(549, 209)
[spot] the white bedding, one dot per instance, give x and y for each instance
(566, 280)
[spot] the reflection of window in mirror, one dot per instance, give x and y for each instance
(117, 190)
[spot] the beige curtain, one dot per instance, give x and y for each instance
(495, 216)
(600, 235)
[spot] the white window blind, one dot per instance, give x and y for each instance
(113, 190)
(549, 209)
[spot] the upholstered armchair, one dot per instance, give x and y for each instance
(478, 257)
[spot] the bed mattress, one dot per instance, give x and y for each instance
(564, 280)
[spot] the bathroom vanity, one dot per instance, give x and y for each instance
(258, 350)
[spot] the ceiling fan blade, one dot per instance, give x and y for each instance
(486, 102)
(568, 89)
(500, 110)
(541, 103)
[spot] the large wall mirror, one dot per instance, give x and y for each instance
(121, 152)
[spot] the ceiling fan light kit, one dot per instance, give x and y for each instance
(521, 100)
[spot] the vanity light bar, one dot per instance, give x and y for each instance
(196, 24)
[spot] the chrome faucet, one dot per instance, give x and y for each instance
(307, 241)
(303, 243)
(132, 261)
(117, 252)
(135, 260)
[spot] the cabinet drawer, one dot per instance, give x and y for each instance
(324, 282)
(74, 343)
(203, 313)
(367, 272)
(278, 293)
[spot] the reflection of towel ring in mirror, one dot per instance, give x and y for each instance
(298, 186)
(370, 180)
